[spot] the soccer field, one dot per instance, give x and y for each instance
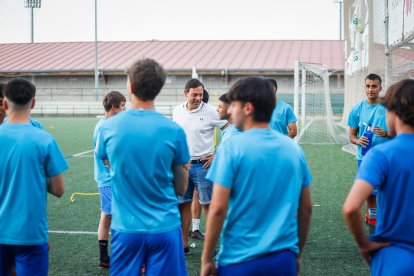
(330, 249)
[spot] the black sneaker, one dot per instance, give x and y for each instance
(104, 264)
(187, 250)
(197, 235)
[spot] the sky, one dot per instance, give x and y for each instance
(130, 20)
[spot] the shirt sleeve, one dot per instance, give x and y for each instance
(291, 118)
(55, 162)
(222, 170)
(374, 167)
(183, 155)
(352, 119)
(307, 176)
(100, 150)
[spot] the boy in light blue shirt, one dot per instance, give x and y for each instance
(283, 119)
(32, 166)
(222, 107)
(148, 156)
(113, 102)
(261, 197)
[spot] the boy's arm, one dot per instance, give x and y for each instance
(56, 185)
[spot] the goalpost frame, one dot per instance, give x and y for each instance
(300, 80)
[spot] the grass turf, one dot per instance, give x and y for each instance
(330, 249)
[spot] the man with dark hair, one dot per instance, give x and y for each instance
(3, 117)
(263, 216)
(283, 119)
(2, 111)
(32, 165)
(222, 108)
(149, 157)
(113, 103)
(368, 112)
(389, 169)
(198, 120)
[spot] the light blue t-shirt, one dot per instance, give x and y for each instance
(364, 114)
(142, 146)
(33, 122)
(265, 172)
(282, 116)
(101, 172)
(229, 131)
(28, 156)
(389, 168)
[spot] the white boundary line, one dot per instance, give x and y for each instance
(73, 232)
(78, 154)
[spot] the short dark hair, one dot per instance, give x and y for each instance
(400, 99)
(374, 77)
(205, 96)
(224, 98)
(1, 90)
(257, 91)
(147, 77)
(113, 98)
(193, 83)
(19, 91)
(273, 82)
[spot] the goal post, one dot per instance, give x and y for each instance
(312, 106)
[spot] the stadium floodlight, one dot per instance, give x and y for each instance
(32, 4)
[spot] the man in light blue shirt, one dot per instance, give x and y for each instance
(283, 119)
(113, 103)
(388, 167)
(32, 165)
(368, 112)
(261, 197)
(222, 107)
(148, 156)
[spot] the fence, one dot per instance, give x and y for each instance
(378, 41)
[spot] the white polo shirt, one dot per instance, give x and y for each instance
(198, 125)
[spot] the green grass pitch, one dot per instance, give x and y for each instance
(330, 249)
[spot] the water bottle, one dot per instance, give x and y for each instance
(368, 134)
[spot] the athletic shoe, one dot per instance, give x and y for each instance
(187, 250)
(103, 264)
(197, 235)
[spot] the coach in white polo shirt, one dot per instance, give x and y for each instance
(198, 120)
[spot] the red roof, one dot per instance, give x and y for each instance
(173, 55)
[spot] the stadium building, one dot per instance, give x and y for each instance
(64, 73)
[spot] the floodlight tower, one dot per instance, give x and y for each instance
(32, 4)
(96, 53)
(340, 2)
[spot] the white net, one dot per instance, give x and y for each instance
(379, 39)
(312, 104)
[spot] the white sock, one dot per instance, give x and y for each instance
(196, 224)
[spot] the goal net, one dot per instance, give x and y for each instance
(312, 105)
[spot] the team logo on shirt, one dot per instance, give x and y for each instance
(381, 112)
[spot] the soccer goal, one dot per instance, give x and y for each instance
(312, 105)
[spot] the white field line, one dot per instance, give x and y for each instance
(73, 232)
(79, 154)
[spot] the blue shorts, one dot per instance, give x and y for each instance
(392, 260)
(197, 179)
(162, 253)
(27, 259)
(105, 194)
(375, 191)
(282, 262)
